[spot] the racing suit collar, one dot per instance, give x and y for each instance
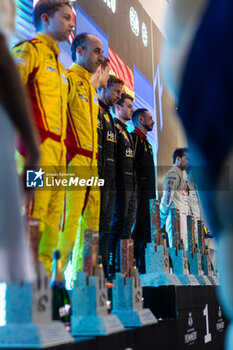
(143, 136)
(178, 170)
(104, 106)
(124, 126)
(82, 72)
(49, 42)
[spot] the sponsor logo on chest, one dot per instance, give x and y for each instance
(111, 136)
(129, 152)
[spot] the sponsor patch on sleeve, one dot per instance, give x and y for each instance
(23, 52)
(96, 101)
(64, 78)
(51, 69)
(81, 96)
(20, 61)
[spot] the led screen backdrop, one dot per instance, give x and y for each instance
(132, 42)
(126, 42)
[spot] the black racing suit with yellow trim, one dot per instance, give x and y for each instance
(145, 174)
(107, 171)
(124, 207)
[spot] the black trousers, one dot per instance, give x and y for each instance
(142, 232)
(106, 209)
(122, 221)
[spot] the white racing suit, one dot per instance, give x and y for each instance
(196, 211)
(175, 195)
(194, 202)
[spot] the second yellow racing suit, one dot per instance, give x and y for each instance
(82, 205)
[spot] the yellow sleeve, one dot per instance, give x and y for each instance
(26, 58)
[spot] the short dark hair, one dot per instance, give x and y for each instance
(105, 62)
(81, 40)
(114, 80)
(49, 7)
(136, 114)
(179, 152)
(124, 96)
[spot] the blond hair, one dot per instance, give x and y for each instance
(49, 7)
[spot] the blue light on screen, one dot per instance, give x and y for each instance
(143, 91)
(65, 54)
(24, 28)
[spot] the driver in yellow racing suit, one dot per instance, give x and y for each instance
(45, 78)
(82, 205)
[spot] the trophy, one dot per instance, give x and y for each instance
(156, 254)
(127, 291)
(208, 273)
(177, 252)
(90, 254)
(194, 257)
(90, 316)
(126, 256)
(28, 308)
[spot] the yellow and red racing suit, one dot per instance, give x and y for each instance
(82, 204)
(45, 78)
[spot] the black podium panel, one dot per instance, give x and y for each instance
(193, 320)
(198, 318)
(161, 301)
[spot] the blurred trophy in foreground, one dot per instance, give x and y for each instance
(28, 308)
(127, 291)
(194, 257)
(177, 252)
(208, 271)
(90, 316)
(158, 262)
